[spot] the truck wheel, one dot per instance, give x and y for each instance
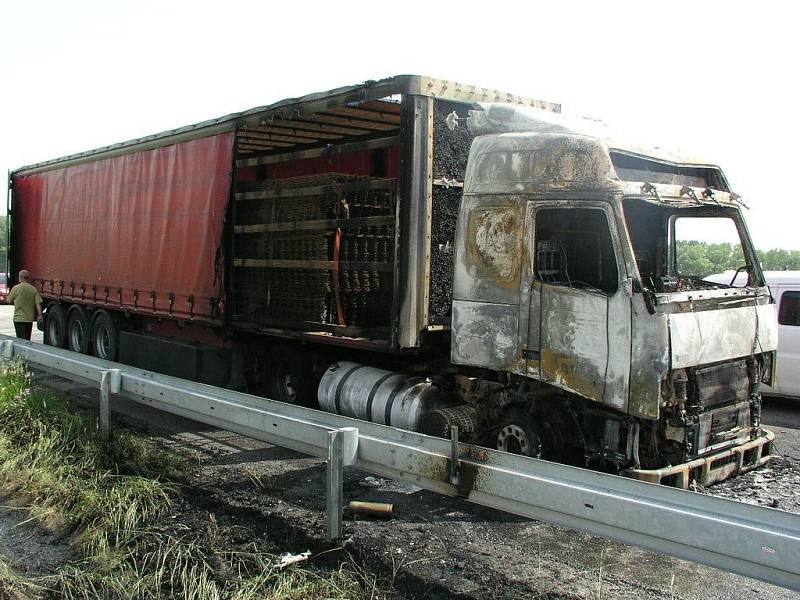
(55, 326)
(290, 377)
(517, 435)
(104, 342)
(77, 330)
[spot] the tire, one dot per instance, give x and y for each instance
(290, 376)
(78, 333)
(55, 326)
(104, 341)
(518, 435)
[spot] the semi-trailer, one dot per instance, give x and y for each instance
(419, 253)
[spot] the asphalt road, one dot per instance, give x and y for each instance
(7, 323)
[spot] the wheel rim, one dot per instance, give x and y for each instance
(102, 342)
(515, 440)
(287, 385)
(76, 335)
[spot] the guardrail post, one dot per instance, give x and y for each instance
(454, 452)
(110, 383)
(342, 452)
(8, 349)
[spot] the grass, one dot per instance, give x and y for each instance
(116, 503)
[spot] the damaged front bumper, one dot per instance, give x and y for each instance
(714, 467)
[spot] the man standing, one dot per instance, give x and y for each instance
(27, 305)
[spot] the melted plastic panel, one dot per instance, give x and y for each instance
(142, 230)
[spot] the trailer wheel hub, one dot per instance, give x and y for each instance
(288, 387)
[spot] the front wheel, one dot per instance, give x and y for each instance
(517, 434)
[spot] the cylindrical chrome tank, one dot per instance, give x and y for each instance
(376, 395)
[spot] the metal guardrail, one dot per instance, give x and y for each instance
(758, 542)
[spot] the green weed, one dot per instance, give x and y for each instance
(112, 499)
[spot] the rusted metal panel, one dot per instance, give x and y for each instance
(461, 92)
(698, 338)
(485, 335)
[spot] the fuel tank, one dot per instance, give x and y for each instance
(376, 395)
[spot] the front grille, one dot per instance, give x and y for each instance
(721, 385)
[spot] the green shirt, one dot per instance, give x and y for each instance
(24, 297)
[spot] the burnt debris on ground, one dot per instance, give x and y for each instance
(434, 547)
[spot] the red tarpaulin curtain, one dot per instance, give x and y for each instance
(149, 221)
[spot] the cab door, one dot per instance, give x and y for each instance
(577, 303)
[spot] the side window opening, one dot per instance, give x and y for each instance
(789, 311)
(574, 249)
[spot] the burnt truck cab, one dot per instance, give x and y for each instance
(571, 277)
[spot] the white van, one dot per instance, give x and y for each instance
(785, 288)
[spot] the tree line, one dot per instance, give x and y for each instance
(703, 259)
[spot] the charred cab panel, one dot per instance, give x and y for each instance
(540, 286)
(486, 286)
(580, 293)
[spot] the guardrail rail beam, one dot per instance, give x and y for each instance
(754, 541)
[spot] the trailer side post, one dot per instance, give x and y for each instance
(415, 217)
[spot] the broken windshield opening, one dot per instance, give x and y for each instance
(704, 245)
(680, 248)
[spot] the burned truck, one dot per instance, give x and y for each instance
(423, 254)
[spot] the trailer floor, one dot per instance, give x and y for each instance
(438, 547)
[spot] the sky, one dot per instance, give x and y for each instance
(716, 79)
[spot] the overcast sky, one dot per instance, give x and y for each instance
(717, 79)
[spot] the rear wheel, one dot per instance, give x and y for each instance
(77, 330)
(55, 326)
(104, 342)
(290, 377)
(517, 434)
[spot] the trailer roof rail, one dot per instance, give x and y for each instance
(342, 96)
